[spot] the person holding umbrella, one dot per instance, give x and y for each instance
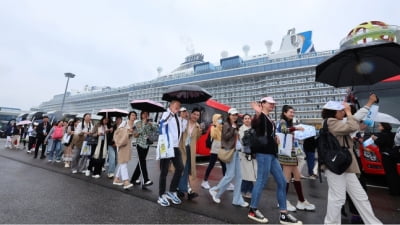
(143, 129)
(174, 132)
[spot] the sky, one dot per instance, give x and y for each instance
(119, 42)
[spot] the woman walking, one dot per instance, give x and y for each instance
(56, 135)
(123, 140)
(82, 131)
(333, 113)
(143, 130)
(68, 146)
(112, 151)
(289, 163)
(229, 140)
(215, 133)
(100, 152)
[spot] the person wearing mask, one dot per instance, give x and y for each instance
(112, 150)
(100, 152)
(143, 129)
(229, 140)
(267, 162)
(174, 132)
(215, 134)
(42, 130)
(248, 164)
(334, 112)
(385, 141)
(187, 146)
(123, 140)
(289, 163)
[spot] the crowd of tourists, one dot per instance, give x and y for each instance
(106, 147)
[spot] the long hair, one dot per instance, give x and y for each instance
(286, 108)
(328, 113)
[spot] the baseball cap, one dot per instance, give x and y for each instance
(182, 109)
(233, 111)
(333, 105)
(268, 99)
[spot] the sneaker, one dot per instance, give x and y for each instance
(110, 175)
(256, 215)
(247, 195)
(244, 205)
(66, 165)
(29, 151)
(205, 185)
(231, 187)
(103, 169)
(163, 201)
(118, 183)
(127, 186)
(192, 195)
(313, 177)
(290, 207)
(87, 173)
(173, 197)
(213, 194)
(286, 218)
(49, 160)
(74, 171)
(305, 206)
(137, 182)
(58, 161)
(97, 176)
(148, 183)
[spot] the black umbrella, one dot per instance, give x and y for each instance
(186, 94)
(147, 105)
(364, 64)
(113, 113)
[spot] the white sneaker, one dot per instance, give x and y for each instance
(110, 175)
(213, 194)
(87, 173)
(205, 185)
(231, 187)
(97, 176)
(305, 206)
(290, 207)
(74, 171)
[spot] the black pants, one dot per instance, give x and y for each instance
(96, 165)
(164, 166)
(31, 142)
(40, 142)
(392, 177)
(142, 153)
(213, 160)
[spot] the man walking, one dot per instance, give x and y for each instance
(42, 130)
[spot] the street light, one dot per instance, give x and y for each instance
(68, 75)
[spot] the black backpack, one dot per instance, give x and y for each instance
(249, 140)
(335, 157)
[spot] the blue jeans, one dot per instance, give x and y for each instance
(111, 159)
(310, 162)
(55, 150)
(233, 172)
(184, 181)
(266, 164)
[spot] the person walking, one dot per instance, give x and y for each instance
(267, 162)
(289, 163)
(143, 130)
(112, 150)
(56, 135)
(334, 112)
(309, 146)
(187, 146)
(100, 152)
(174, 132)
(123, 141)
(68, 146)
(16, 136)
(229, 140)
(215, 134)
(42, 130)
(32, 137)
(82, 131)
(248, 164)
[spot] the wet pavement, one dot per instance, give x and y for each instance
(35, 191)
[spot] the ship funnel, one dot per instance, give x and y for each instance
(246, 50)
(224, 54)
(159, 70)
(268, 44)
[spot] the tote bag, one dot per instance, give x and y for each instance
(86, 149)
(164, 149)
(286, 144)
(226, 155)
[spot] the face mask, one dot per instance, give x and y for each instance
(219, 121)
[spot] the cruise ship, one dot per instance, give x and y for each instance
(288, 75)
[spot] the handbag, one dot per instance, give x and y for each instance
(226, 155)
(286, 144)
(86, 149)
(91, 140)
(66, 139)
(164, 149)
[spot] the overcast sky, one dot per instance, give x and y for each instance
(117, 42)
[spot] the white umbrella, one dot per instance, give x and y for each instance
(24, 122)
(386, 118)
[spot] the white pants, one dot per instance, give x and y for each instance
(122, 171)
(8, 142)
(338, 185)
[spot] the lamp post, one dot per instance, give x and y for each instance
(67, 75)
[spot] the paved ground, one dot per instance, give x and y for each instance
(35, 191)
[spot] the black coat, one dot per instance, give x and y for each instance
(40, 129)
(264, 129)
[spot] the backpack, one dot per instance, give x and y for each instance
(335, 157)
(58, 133)
(209, 140)
(249, 140)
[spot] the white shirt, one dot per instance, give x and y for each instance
(169, 118)
(87, 127)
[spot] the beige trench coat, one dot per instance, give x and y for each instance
(123, 142)
(196, 133)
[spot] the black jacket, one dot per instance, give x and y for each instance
(40, 129)
(265, 129)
